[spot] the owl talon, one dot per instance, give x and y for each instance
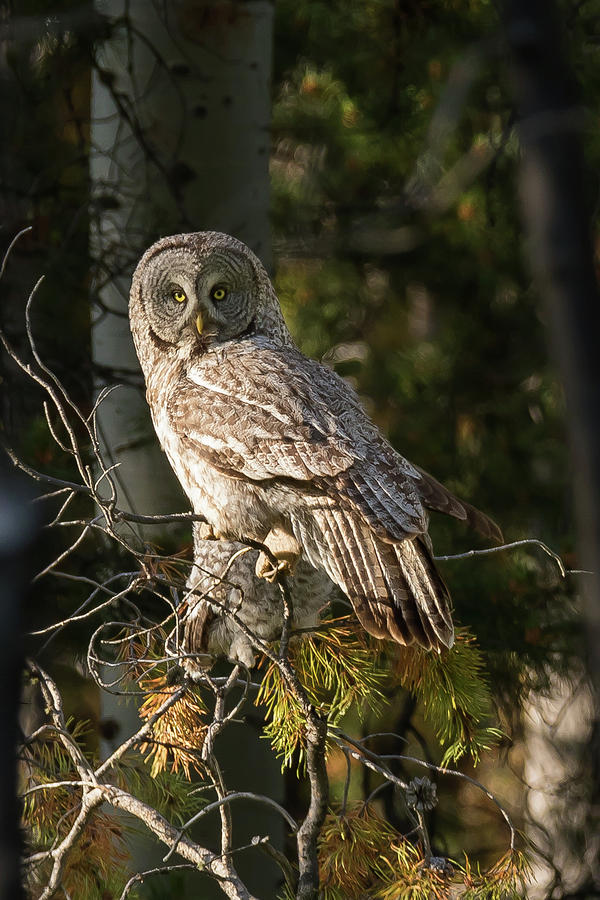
(205, 532)
(267, 570)
(285, 548)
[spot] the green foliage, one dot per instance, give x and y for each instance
(337, 668)
(429, 310)
(453, 688)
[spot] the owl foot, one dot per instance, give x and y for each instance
(285, 548)
(205, 532)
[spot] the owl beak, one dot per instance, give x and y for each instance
(199, 323)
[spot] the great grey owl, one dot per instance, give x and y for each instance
(275, 447)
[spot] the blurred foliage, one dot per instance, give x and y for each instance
(401, 263)
(45, 82)
(419, 295)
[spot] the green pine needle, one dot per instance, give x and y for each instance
(337, 668)
(455, 695)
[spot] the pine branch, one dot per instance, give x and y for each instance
(455, 695)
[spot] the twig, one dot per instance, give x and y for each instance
(229, 798)
(346, 781)
(526, 542)
(14, 241)
(338, 735)
(139, 877)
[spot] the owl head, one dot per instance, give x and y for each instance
(191, 292)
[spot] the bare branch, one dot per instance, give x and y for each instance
(140, 877)
(235, 795)
(11, 246)
(524, 543)
(367, 759)
(202, 858)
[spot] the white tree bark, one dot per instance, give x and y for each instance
(180, 142)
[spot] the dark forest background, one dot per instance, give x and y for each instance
(382, 144)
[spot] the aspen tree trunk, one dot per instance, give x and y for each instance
(180, 142)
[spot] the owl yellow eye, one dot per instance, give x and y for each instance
(179, 296)
(218, 293)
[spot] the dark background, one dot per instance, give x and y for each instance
(400, 258)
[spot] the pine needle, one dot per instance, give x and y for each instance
(351, 849)
(505, 880)
(178, 734)
(338, 670)
(49, 814)
(455, 695)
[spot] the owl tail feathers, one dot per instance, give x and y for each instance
(416, 608)
(435, 496)
(395, 588)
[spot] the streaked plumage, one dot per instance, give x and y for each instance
(222, 581)
(261, 437)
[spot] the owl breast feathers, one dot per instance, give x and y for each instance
(267, 442)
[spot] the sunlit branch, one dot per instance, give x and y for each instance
(511, 546)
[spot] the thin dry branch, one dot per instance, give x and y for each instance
(526, 542)
(140, 877)
(373, 761)
(229, 798)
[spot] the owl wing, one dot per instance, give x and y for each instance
(265, 414)
(269, 413)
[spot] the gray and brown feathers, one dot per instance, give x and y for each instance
(263, 438)
(222, 581)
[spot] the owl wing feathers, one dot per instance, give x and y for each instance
(302, 422)
(394, 588)
(432, 494)
(435, 496)
(300, 425)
